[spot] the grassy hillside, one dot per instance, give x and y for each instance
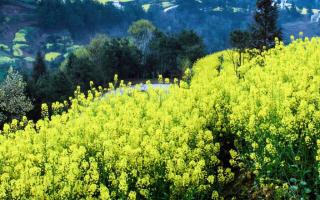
(233, 132)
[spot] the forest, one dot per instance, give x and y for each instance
(104, 100)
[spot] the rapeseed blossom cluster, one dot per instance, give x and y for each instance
(272, 110)
(116, 144)
(188, 142)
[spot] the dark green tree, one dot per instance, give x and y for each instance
(265, 28)
(164, 52)
(240, 40)
(192, 46)
(171, 54)
(80, 69)
(54, 87)
(39, 67)
(101, 60)
(124, 59)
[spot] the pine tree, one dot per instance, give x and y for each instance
(39, 67)
(265, 28)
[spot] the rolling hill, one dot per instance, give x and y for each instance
(233, 132)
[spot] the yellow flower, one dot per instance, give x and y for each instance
(132, 195)
(160, 79)
(255, 145)
(215, 195)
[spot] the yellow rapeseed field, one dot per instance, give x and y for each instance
(191, 141)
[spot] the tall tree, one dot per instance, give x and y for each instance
(142, 32)
(191, 44)
(13, 101)
(39, 67)
(240, 40)
(265, 28)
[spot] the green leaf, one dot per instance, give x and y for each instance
(307, 190)
(303, 183)
(294, 188)
(293, 180)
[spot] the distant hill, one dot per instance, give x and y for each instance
(21, 37)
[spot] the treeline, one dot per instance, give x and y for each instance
(82, 16)
(144, 54)
(213, 20)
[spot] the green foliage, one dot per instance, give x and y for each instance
(240, 40)
(142, 32)
(18, 49)
(52, 87)
(20, 37)
(265, 29)
(6, 61)
(39, 67)
(13, 102)
(29, 59)
(100, 60)
(17, 52)
(262, 32)
(171, 53)
(80, 69)
(103, 58)
(192, 46)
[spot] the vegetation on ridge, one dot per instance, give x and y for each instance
(189, 142)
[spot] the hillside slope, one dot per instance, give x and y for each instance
(23, 33)
(18, 15)
(188, 142)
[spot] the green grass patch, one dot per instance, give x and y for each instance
(49, 57)
(17, 52)
(4, 48)
(24, 35)
(20, 37)
(18, 49)
(6, 61)
(146, 7)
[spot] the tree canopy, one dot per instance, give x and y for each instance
(14, 104)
